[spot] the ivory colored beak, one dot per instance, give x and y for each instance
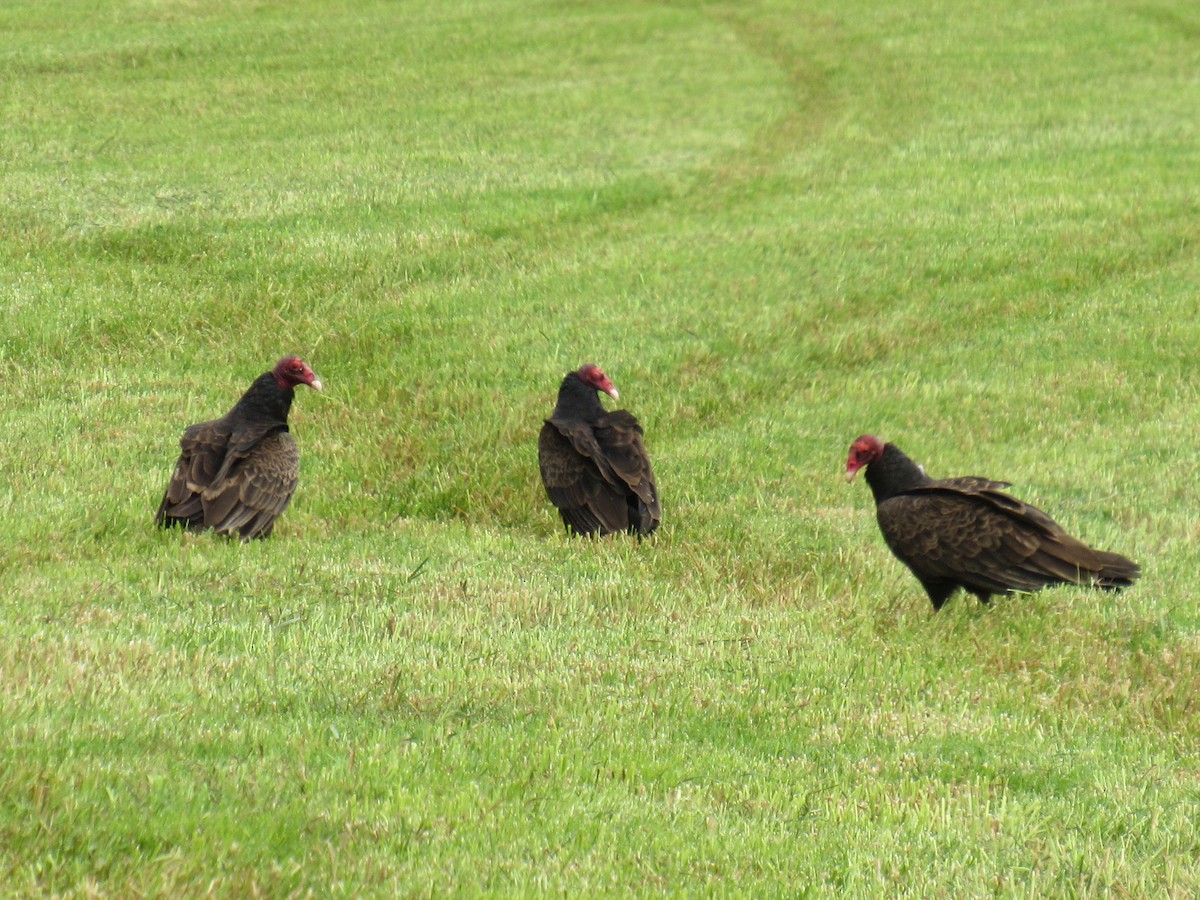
(614, 393)
(316, 384)
(850, 473)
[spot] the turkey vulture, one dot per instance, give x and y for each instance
(236, 474)
(966, 532)
(594, 465)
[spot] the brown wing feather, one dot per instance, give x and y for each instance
(586, 500)
(973, 483)
(202, 451)
(620, 439)
(255, 490)
(988, 541)
(600, 476)
(233, 482)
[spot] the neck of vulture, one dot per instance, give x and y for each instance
(893, 473)
(266, 400)
(577, 400)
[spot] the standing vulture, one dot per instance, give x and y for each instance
(236, 474)
(594, 465)
(968, 533)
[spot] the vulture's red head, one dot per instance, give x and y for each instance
(864, 451)
(292, 370)
(592, 376)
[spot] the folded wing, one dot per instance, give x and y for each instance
(599, 475)
(969, 532)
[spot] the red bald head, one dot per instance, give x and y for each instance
(864, 451)
(591, 375)
(292, 370)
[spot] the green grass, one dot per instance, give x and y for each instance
(777, 224)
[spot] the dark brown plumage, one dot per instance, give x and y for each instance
(966, 532)
(594, 465)
(236, 474)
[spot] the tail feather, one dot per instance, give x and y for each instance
(1057, 568)
(1074, 562)
(1116, 571)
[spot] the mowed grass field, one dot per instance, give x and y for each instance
(777, 224)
